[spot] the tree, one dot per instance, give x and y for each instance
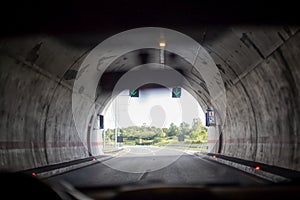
(173, 130)
(199, 132)
(160, 133)
(165, 130)
(184, 128)
(109, 134)
(195, 135)
(197, 124)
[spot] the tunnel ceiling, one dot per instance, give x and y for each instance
(136, 58)
(236, 50)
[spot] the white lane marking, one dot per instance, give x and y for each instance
(190, 152)
(122, 153)
(152, 151)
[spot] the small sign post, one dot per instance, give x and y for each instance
(119, 138)
(181, 138)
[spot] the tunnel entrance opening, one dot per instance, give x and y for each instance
(152, 125)
(128, 64)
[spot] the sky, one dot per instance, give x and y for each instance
(153, 107)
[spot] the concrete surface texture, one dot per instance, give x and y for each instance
(259, 67)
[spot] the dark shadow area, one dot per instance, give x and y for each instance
(20, 17)
(22, 186)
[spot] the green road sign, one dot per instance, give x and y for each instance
(134, 93)
(176, 92)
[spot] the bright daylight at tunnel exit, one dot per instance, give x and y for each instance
(168, 111)
(155, 124)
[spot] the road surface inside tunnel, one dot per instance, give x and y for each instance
(176, 167)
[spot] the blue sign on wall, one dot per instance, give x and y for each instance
(210, 117)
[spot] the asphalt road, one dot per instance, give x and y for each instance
(143, 165)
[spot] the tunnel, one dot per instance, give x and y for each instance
(258, 67)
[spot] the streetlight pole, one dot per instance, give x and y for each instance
(116, 128)
(116, 131)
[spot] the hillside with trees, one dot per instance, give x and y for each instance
(146, 135)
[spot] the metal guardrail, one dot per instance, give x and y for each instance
(283, 172)
(44, 169)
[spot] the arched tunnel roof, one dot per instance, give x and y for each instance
(131, 60)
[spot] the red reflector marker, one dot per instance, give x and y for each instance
(214, 156)
(94, 159)
(257, 168)
(33, 174)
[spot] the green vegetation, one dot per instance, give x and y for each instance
(145, 135)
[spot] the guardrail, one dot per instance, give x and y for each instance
(50, 170)
(269, 172)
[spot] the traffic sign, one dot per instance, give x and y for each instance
(210, 117)
(134, 93)
(101, 121)
(120, 138)
(176, 92)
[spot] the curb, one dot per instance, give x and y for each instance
(257, 171)
(56, 169)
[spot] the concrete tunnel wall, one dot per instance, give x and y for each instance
(261, 74)
(37, 126)
(262, 121)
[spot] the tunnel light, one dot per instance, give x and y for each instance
(257, 168)
(162, 44)
(33, 174)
